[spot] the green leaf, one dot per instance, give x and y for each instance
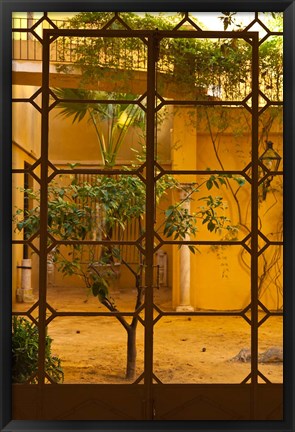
(211, 226)
(209, 184)
(169, 211)
(240, 180)
(221, 181)
(95, 288)
(100, 289)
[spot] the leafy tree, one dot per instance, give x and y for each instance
(72, 216)
(203, 63)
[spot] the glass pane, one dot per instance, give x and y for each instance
(272, 20)
(105, 64)
(213, 207)
(204, 137)
(200, 349)
(61, 19)
(84, 20)
(89, 71)
(270, 277)
(24, 351)
(204, 69)
(26, 140)
(186, 281)
(78, 279)
(271, 208)
(102, 354)
(25, 278)
(96, 207)
(25, 46)
(271, 130)
(25, 198)
(271, 349)
(219, 20)
(104, 136)
(271, 68)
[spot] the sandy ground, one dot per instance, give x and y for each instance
(186, 349)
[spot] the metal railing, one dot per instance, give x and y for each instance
(27, 46)
(124, 54)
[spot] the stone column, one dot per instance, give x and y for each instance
(26, 281)
(185, 266)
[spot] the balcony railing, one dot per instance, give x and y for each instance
(27, 46)
(175, 62)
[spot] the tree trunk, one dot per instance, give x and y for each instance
(131, 352)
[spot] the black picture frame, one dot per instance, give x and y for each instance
(6, 8)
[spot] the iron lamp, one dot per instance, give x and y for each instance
(271, 161)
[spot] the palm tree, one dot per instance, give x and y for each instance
(111, 121)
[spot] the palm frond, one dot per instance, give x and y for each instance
(120, 117)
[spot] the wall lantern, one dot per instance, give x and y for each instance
(271, 160)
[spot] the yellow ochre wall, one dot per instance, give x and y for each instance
(220, 279)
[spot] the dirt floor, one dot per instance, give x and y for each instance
(195, 349)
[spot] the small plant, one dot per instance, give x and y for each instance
(25, 340)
